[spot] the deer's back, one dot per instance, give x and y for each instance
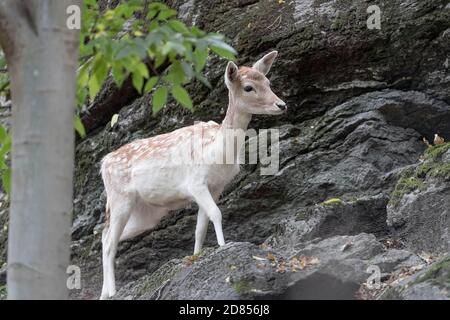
(156, 163)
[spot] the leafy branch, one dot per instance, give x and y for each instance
(137, 39)
(133, 40)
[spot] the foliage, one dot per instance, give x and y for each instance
(135, 39)
(4, 79)
(5, 148)
(5, 137)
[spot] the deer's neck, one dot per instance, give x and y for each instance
(235, 119)
(231, 136)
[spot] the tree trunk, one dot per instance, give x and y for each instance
(41, 53)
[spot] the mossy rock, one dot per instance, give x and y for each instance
(436, 152)
(149, 286)
(332, 202)
(407, 183)
(438, 274)
(429, 284)
(241, 287)
(412, 179)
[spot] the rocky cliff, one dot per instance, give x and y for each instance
(358, 194)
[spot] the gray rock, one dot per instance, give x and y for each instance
(245, 271)
(419, 211)
(446, 156)
(426, 219)
(341, 217)
(395, 259)
(359, 102)
(432, 283)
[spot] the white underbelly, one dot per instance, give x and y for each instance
(169, 187)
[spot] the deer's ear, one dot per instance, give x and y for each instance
(231, 73)
(263, 65)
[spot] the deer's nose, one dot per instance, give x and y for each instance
(281, 105)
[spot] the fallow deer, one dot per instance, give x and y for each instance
(143, 182)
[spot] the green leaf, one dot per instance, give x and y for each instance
(118, 74)
(203, 80)
(159, 99)
(200, 56)
(182, 96)
(3, 134)
(79, 127)
(82, 93)
(6, 148)
(187, 69)
(123, 52)
(176, 73)
(159, 60)
(138, 81)
(150, 84)
(157, 6)
(94, 87)
(83, 75)
(166, 13)
(197, 32)
(224, 53)
(178, 26)
(221, 48)
(142, 69)
(6, 180)
(100, 68)
(3, 165)
(98, 76)
(151, 14)
(114, 119)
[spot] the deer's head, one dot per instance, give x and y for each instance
(250, 89)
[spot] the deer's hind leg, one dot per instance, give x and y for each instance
(120, 207)
(143, 217)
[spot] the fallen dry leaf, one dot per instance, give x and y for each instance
(438, 140)
(426, 142)
(191, 259)
(271, 257)
(427, 257)
(299, 263)
(281, 267)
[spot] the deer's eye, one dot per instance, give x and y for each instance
(248, 88)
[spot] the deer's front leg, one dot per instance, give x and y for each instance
(206, 203)
(200, 230)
